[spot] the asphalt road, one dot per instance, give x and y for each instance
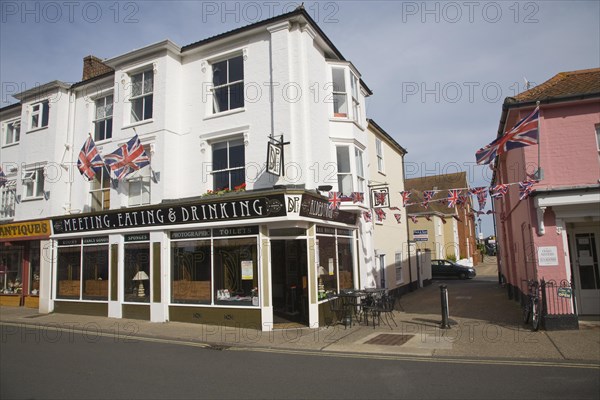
(44, 363)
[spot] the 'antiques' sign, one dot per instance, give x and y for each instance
(262, 207)
(25, 230)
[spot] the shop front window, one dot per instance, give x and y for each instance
(235, 271)
(191, 271)
(11, 270)
(336, 260)
(95, 272)
(137, 272)
(34, 268)
(77, 258)
(68, 274)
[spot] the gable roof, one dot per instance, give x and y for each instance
(436, 182)
(563, 85)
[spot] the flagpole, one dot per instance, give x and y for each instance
(540, 173)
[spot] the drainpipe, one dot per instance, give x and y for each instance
(410, 280)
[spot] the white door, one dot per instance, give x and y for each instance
(585, 267)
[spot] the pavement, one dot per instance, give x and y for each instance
(484, 324)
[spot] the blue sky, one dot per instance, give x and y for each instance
(439, 70)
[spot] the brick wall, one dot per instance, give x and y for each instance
(93, 66)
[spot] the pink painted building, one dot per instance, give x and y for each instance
(554, 235)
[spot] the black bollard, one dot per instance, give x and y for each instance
(444, 297)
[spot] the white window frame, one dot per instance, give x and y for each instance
(398, 267)
(41, 110)
(8, 199)
(342, 174)
(140, 184)
(32, 177)
(104, 116)
(227, 85)
(598, 137)
(229, 169)
(98, 186)
(379, 152)
(141, 97)
(15, 126)
(354, 95)
(340, 92)
(360, 170)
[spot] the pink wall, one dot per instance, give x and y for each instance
(569, 157)
(568, 145)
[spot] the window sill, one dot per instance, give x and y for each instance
(41, 128)
(136, 124)
(4, 146)
(347, 120)
(32, 198)
(225, 113)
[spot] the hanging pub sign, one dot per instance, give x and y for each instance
(274, 158)
(380, 197)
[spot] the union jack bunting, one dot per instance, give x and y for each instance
(128, 158)
(358, 197)
(367, 216)
(462, 200)
(526, 188)
(380, 214)
(89, 162)
(481, 194)
(427, 196)
(499, 191)
(334, 200)
(414, 219)
(524, 133)
(405, 195)
(394, 208)
(2, 178)
(453, 195)
(489, 212)
(344, 198)
(398, 217)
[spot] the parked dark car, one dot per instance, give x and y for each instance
(445, 268)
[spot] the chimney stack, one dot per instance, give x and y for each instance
(93, 67)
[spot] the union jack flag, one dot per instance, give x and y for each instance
(2, 178)
(334, 200)
(380, 214)
(453, 195)
(405, 195)
(526, 188)
(398, 217)
(499, 191)
(524, 133)
(367, 216)
(414, 219)
(128, 158)
(358, 197)
(481, 194)
(89, 162)
(462, 199)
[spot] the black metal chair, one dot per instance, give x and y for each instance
(340, 311)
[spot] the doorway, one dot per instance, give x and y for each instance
(584, 261)
(289, 280)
